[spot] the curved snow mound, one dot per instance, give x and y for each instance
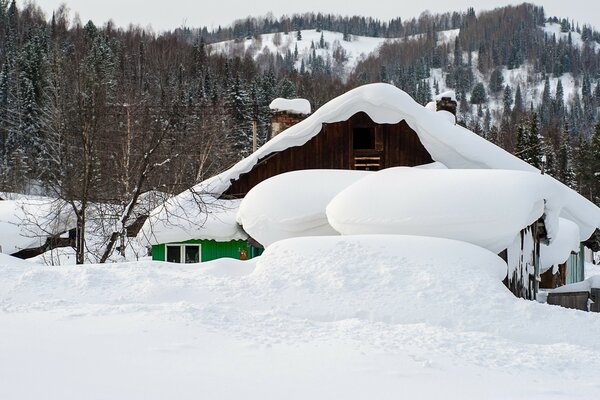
(293, 204)
(381, 277)
(484, 207)
(292, 106)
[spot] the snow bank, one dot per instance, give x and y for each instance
(483, 207)
(559, 250)
(27, 223)
(292, 106)
(590, 283)
(378, 277)
(335, 317)
(192, 215)
(293, 204)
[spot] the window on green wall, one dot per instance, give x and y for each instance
(192, 253)
(183, 253)
(173, 253)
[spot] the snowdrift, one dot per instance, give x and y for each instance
(380, 277)
(293, 204)
(484, 207)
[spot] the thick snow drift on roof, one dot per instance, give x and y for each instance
(292, 106)
(27, 223)
(293, 204)
(565, 242)
(452, 145)
(192, 216)
(483, 207)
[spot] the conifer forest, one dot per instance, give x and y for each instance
(99, 112)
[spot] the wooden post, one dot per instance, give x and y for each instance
(254, 145)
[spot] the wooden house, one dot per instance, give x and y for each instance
(371, 128)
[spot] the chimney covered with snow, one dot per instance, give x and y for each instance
(446, 102)
(287, 113)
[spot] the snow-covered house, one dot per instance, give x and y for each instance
(371, 128)
(31, 225)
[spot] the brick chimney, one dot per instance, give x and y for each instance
(287, 113)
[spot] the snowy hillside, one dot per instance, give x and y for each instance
(318, 318)
(343, 55)
(554, 29)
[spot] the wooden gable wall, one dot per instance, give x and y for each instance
(333, 148)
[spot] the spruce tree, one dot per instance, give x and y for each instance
(478, 95)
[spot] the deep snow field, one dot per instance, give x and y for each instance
(381, 317)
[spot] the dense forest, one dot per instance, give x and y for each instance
(102, 112)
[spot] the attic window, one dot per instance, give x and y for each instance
(363, 139)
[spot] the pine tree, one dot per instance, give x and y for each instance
(534, 143)
(322, 41)
(564, 169)
(299, 35)
(496, 81)
(519, 104)
(595, 164)
(478, 95)
(507, 99)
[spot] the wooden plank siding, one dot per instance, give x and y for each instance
(333, 148)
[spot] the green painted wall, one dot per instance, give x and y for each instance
(576, 267)
(211, 249)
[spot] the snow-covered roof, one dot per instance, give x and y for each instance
(191, 215)
(292, 106)
(27, 223)
(447, 143)
(484, 207)
(293, 204)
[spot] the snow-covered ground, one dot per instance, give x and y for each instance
(354, 317)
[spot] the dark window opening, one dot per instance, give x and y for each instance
(363, 139)
(192, 254)
(174, 254)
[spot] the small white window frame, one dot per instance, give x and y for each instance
(182, 250)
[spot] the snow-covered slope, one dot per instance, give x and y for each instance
(342, 54)
(319, 318)
(554, 29)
